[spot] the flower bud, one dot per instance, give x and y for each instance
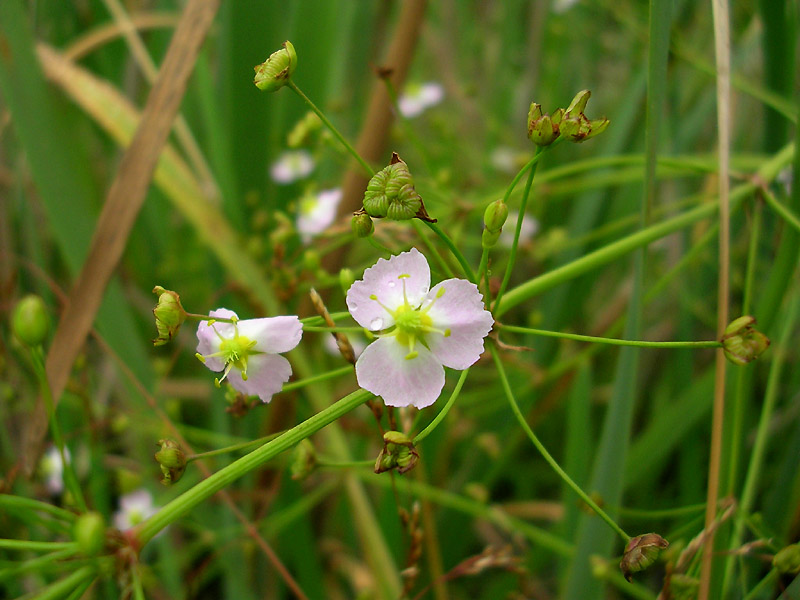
(391, 194)
(787, 560)
(30, 321)
(346, 278)
(742, 343)
(543, 130)
(398, 453)
(576, 126)
(301, 133)
(304, 460)
(169, 315)
(494, 217)
(172, 461)
(641, 552)
(273, 73)
(89, 533)
(362, 224)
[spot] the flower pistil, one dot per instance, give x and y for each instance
(233, 351)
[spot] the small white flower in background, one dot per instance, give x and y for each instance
(562, 6)
(133, 509)
(530, 227)
(291, 166)
(316, 212)
(418, 97)
(504, 159)
(247, 351)
(423, 329)
(786, 178)
(52, 469)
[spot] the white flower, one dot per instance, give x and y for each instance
(443, 326)
(419, 97)
(133, 509)
(317, 212)
(530, 227)
(247, 351)
(562, 6)
(291, 166)
(52, 468)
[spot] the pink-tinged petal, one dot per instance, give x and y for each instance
(272, 334)
(382, 280)
(266, 374)
(383, 370)
(460, 309)
(208, 341)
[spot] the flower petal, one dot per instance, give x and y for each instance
(266, 374)
(382, 280)
(460, 309)
(383, 370)
(272, 334)
(207, 339)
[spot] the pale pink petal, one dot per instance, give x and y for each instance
(208, 341)
(460, 309)
(382, 280)
(272, 334)
(266, 374)
(383, 370)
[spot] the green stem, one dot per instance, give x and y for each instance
(10, 501)
(33, 565)
(512, 255)
(543, 451)
(446, 270)
(145, 531)
(378, 246)
(234, 448)
(611, 341)
(70, 480)
(782, 210)
(762, 433)
(455, 251)
(344, 464)
(366, 168)
(295, 385)
(604, 255)
(316, 319)
(33, 546)
(333, 329)
(443, 413)
(60, 589)
(483, 269)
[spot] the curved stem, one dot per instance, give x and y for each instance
(545, 454)
(443, 413)
(364, 166)
(512, 255)
(610, 341)
(455, 251)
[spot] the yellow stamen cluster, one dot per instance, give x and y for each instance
(233, 351)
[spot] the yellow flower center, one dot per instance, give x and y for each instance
(234, 351)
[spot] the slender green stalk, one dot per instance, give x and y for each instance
(316, 319)
(70, 480)
(296, 385)
(364, 165)
(10, 501)
(34, 546)
(512, 255)
(432, 251)
(333, 329)
(80, 589)
(378, 246)
(543, 451)
(483, 269)
(761, 586)
(611, 341)
(233, 448)
(782, 210)
(138, 590)
(60, 589)
(738, 408)
(664, 513)
(145, 531)
(443, 413)
(344, 464)
(762, 433)
(454, 250)
(33, 565)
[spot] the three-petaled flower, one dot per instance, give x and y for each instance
(247, 351)
(423, 329)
